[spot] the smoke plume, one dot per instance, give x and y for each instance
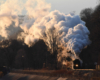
(39, 23)
(9, 23)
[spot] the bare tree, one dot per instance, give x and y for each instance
(52, 40)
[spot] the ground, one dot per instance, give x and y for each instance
(52, 75)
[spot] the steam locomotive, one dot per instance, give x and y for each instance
(78, 64)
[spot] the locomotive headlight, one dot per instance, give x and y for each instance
(76, 65)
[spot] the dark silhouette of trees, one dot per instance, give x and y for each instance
(85, 15)
(37, 54)
(21, 60)
(34, 56)
(9, 51)
(90, 54)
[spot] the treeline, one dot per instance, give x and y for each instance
(18, 55)
(91, 54)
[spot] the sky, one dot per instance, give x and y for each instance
(67, 6)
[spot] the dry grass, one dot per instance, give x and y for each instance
(73, 74)
(95, 75)
(62, 72)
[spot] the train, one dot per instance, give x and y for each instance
(78, 64)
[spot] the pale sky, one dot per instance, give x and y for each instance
(67, 6)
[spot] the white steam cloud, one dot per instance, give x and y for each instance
(70, 29)
(9, 24)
